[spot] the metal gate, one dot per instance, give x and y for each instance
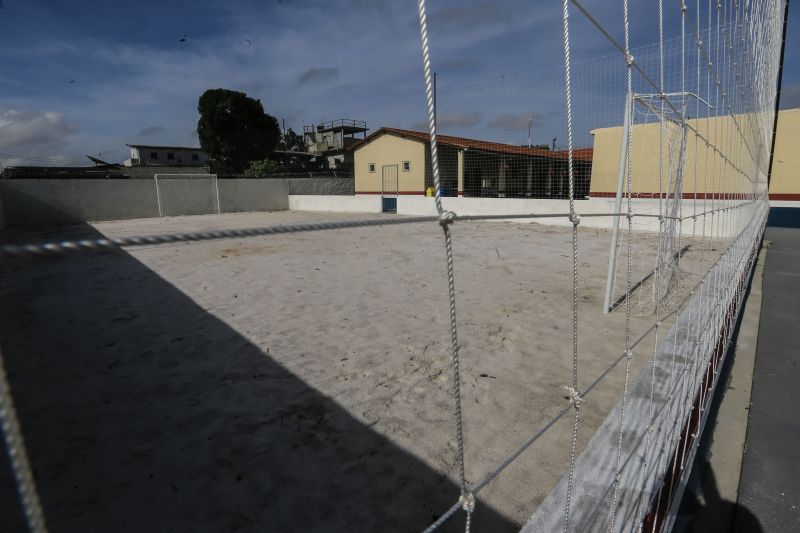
(390, 188)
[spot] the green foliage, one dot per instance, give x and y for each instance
(263, 168)
(292, 142)
(234, 129)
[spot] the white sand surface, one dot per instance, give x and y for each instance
(302, 382)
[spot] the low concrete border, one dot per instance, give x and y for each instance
(336, 204)
(713, 488)
(425, 206)
(594, 471)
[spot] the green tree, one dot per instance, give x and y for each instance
(263, 168)
(234, 129)
(292, 142)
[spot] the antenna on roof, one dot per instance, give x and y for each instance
(97, 161)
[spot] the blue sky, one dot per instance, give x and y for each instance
(89, 76)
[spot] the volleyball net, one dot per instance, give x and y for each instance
(681, 132)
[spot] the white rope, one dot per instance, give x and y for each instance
(445, 219)
(629, 61)
(659, 256)
(575, 219)
(18, 457)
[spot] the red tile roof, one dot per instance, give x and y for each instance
(579, 154)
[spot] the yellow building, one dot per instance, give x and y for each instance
(785, 182)
(393, 161)
(725, 167)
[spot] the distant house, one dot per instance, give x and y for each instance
(330, 142)
(396, 161)
(143, 155)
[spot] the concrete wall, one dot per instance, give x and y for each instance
(327, 186)
(336, 204)
(54, 202)
(253, 195)
(423, 206)
(410, 205)
(719, 177)
(390, 150)
(413, 205)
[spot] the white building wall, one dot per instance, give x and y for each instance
(180, 156)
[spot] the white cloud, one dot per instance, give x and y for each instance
(318, 74)
(24, 132)
(150, 131)
(364, 56)
(515, 122)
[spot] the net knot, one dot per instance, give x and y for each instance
(467, 501)
(446, 218)
(629, 59)
(575, 398)
(575, 218)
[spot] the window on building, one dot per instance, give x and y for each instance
(170, 156)
(153, 155)
(372, 167)
(406, 166)
(195, 157)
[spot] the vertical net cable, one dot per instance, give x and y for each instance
(628, 281)
(575, 398)
(18, 456)
(467, 499)
(659, 253)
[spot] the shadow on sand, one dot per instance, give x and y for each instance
(144, 412)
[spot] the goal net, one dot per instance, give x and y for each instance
(187, 194)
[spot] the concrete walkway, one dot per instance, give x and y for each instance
(769, 489)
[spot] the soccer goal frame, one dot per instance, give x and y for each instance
(214, 188)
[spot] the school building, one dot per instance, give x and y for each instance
(394, 161)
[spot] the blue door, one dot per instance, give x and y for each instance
(389, 204)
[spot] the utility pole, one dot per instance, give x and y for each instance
(530, 124)
(434, 101)
(285, 147)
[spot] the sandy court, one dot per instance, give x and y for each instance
(301, 382)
